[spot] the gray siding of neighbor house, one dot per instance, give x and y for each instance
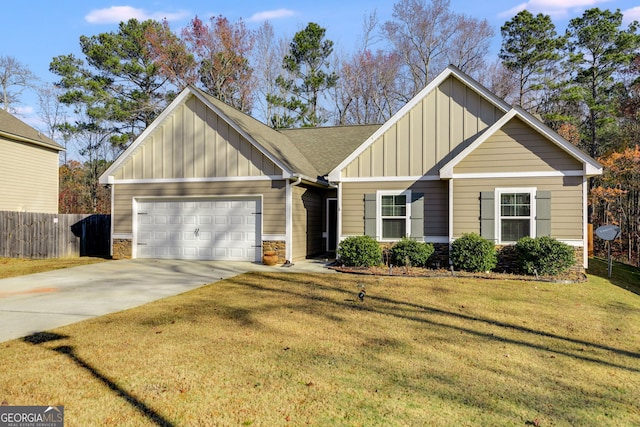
(307, 222)
(444, 122)
(436, 204)
(194, 142)
(517, 148)
(273, 199)
(28, 177)
(566, 203)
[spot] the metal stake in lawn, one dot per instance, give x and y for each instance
(608, 233)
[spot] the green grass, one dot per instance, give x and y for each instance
(12, 267)
(622, 275)
(278, 349)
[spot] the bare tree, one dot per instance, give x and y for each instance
(267, 55)
(367, 87)
(15, 78)
(53, 114)
(500, 81)
(430, 36)
(419, 33)
(469, 44)
(222, 50)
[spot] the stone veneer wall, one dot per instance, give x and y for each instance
(121, 249)
(508, 258)
(440, 257)
(279, 246)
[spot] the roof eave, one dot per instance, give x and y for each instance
(15, 137)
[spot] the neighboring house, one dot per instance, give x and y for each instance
(206, 181)
(28, 168)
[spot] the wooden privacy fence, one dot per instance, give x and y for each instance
(41, 235)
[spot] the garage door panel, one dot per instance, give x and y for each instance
(199, 229)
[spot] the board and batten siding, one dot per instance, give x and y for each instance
(307, 222)
(28, 177)
(448, 118)
(517, 148)
(436, 204)
(273, 199)
(195, 142)
(566, 203)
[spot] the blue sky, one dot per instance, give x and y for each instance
(36, 31)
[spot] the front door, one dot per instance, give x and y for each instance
(332, 225)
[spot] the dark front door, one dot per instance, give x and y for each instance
(332, 224)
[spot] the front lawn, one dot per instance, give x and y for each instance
(277, 349)
(12, 267)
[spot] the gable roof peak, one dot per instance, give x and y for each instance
(448, 72)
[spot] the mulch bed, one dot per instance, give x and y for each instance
(567, 277)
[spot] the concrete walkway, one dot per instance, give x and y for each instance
(45, 301)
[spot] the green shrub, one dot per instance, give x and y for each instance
(544, 255)
(473, 253)
(410, 252)
(360, 251)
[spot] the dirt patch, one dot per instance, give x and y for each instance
(567, 277)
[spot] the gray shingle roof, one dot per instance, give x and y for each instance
(326, 147)
(14, 127)
(312, 152)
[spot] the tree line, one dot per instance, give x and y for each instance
(583, 83)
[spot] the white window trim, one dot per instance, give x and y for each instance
(498, 215)
(379, 194)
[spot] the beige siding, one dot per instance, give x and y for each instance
(448, 118)
(517, 148)
(273, 208)
(193, 142)
(307, 222)
(566, 203)
(28, 177)
(436, 204)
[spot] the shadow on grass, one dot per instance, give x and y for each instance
(398, 309)
(622, 275)
(68, 351)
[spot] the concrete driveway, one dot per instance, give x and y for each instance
(45, 301)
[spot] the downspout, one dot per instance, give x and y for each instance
(289, 218)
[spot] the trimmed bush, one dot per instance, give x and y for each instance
(473, 253)
(360, 251)
(544, 255)
(409, 252)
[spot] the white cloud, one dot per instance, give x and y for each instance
(271, 14)
(24, 111)
(553, 8)
(632, 14)
(116, 14)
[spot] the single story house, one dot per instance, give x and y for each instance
(206, 181)
(28, 167)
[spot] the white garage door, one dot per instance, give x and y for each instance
(202, 229)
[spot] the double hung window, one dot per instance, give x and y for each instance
(516, 214)
(394, 215)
